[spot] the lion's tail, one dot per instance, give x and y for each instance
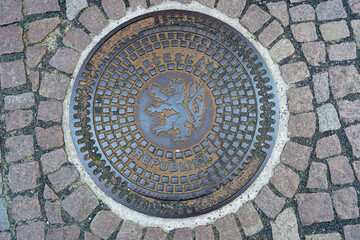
(194, 97)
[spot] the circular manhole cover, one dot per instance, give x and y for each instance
(174, 113)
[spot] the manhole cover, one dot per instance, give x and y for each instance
(174, 113)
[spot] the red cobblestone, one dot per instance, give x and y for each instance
(294, 72)
(329, 10)
(340, 170)
(334, 31)
(19, 147)
(232, 8)
(129, 230)
(49, 193)
(155, 233)
(41, 6)
(208, 3)
(304, 32)
(54, 86)
(270, 204)
(34, 78)
(353, 134)
(280, 11)
(93, 20)
(35, 230)
(314, 208)
(12, 74)
(204, 233)
(270, 33)
(23, 176)
(52, 161)
(11, 40)
(18, 119)
(300, 99)
(134, 4)
(64, 177)
(65, 60)
(50, 111)
(344, 80)
(349, 111)
(285, 180)
(25, 208)
(254, 18)
(5, 236)
(296, 155)
(65, 232)
(227, 228)
(326, 236)
(114, 9)
(53, 212)
(285, 226)
(249, 219)
(38, 30)
(49, 137)
(352, 232)
(356, 165)
(34, 55)
(90, 236)
(104, 224)
(183, 234)
(314, 52)
(77, 39)
(328, 146)
(281, 50)
(346, 203)
(303, 12)
(317, 176)
(321, 87)
(302, 125)
(342, 51)
(10, 11)
(21, 101)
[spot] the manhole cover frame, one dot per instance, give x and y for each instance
(230, 30)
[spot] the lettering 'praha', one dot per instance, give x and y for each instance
(174, 114)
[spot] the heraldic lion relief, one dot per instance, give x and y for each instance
(180, 108)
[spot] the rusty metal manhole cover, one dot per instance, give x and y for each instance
(174, 113)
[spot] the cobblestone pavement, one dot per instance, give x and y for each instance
(314, 191)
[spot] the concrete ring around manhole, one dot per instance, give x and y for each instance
(175, 112)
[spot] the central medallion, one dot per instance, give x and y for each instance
(174, 114)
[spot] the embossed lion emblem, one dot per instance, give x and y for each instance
(178, 109)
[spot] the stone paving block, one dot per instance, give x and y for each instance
(325, 236)
(4, 221)
(329, 10)
(53, 212)
(334, 31)
(23, 176)
(114, 9)
(281, 50)
(137, 4)
(104, 224)
(10, 11)
(49, 137)
(129, 230)
(314, 52)
(63, 178)
(21, 101)
(35, 230)
(346, 203)
(232, 8)
(353, 134)
(155, 233)
(73, 7)
(66, 232)
(296, 155)
(300, 99)
(356, 165)
(52, 161)
(93, 20)
(227, 228)
(156, 2)
(270, 33)
(80, 203)
(18, 119)
(49, 193)
(328, 118)
(39, 29)
(340, 170)
(25, 208)
(302, 125)
(304, 32)
(12, 74)
(352, 232)
(349, 111)
(270, 204)
(5, 236)
(328, 146)
(90, 236)
(285, 180)
(249, 219)
(204, 233)
(208, 3)
(321, 87)
(19, 147)
(285, 226)
(183, 234)
(50, 111)
(34, 55)
(54, 86)
(354, 6)
(77, 39)
(34, 79)
(355, 25)
(41, 6)
(294, 72)
(303, 12)
(342, 51)
(65, 60)
(254, 18)
(11, 40)
(317, 176)
(280, 11)
(344, 80)
(314, 208)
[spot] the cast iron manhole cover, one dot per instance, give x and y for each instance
(174, 113)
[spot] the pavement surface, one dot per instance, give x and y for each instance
(314, 192)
